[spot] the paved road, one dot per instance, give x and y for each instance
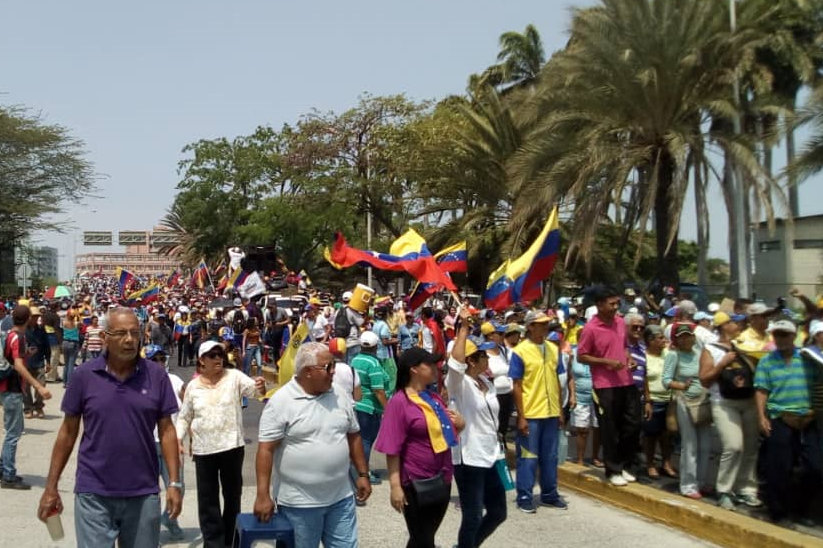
(586, 523)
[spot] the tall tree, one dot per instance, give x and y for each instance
(42, 168)
(623, 107)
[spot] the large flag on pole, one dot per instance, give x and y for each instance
(520, 279)
(124, 279)
(201, 274)
(453, 258)
(407, 253)
(145, 295)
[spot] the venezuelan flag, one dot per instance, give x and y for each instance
(453, 258)
(238, 278)
(421, 292)
(124, 279)
(442, 434)
(407, 253)
(519, 280)
(173, 277)
(145, 295)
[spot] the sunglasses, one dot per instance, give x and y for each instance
(637, 327)
(329, 367)
(212, 355)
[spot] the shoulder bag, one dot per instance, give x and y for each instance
(699, 408)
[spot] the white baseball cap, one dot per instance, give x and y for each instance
(368, 339)
(347, 295)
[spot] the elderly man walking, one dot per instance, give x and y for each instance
(120, 398)
(311, 426)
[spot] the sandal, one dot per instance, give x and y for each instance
(670, 473)
(653, 473)
(597, 463)
(40, 415)
(28, 415)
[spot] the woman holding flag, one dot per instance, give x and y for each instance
(416, 434)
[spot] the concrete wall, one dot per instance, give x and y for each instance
(791, 256)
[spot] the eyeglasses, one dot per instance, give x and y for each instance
(329, 367)
(122, 334)
(212, 355)
(637, 327)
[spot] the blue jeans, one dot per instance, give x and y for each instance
(479, 488)
(164, 475)
(369, 426)
(132, 522)
(252, 353)
(13, 422)
(335, 525)
(538, 449)
(70, 349)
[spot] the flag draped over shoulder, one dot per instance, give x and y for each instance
(145, 295)
(520, 279)
(124, 279)
(407, 253)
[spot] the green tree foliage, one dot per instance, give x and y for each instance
(42, 168)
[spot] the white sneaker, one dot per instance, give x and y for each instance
(618, 480)
(628, 477)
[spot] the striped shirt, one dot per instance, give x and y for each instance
(789, 386)
(372, 377)
(94, 342)
(638, 354)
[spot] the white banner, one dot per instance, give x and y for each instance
(253, 286)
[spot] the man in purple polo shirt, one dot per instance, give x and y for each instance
(603, 347)
(120, 398)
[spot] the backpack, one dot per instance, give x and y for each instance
(6, 361)
(342, 325)
(238, 323)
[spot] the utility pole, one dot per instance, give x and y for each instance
(741, 252)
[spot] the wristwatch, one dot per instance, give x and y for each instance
(177, 484)
(363, 474)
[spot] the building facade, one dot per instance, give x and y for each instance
(791, 256)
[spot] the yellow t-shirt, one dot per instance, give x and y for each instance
(536, 366)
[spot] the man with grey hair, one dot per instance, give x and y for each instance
(116, 489)
(309, 429)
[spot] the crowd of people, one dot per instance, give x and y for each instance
(439, 391)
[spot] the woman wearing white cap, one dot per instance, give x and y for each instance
(212, 412)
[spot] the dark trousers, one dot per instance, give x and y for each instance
(184, 351)
(619, 426)
(422, 522)
(783, 448)
(215, 472)
(504, 417)
(479, 488)
(32, 400)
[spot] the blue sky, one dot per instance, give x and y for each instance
(138, 81)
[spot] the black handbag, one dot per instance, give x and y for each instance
(736, 381)
(432, 490)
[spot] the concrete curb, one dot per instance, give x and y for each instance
(702, 520)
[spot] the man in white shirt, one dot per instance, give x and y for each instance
(312, 427)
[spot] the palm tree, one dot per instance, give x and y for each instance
(621, 112)
(519, 62)
(810, 160)
(183, 247)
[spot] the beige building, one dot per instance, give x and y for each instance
(791, 256)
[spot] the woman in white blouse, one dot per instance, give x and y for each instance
(211, 409)
(478, 482)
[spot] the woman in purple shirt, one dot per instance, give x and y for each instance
(417, 448)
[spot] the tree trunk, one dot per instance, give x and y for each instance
(794, 199)
(667, 255)
(702, 221)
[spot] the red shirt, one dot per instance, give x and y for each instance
(606, 340)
